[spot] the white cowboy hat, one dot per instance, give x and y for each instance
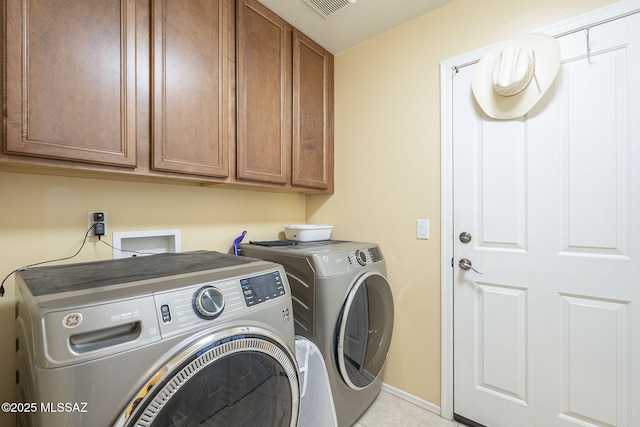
(512, 78)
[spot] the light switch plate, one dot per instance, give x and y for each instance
(422, 229)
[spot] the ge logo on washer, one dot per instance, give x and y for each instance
(72, 320)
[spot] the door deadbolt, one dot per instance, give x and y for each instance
(465, 237)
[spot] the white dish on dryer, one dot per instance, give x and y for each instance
(308, 232)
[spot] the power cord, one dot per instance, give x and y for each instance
(45, 262)
(86, 235)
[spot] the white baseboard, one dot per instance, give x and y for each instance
(411, 398)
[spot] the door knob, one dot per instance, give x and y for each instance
(465, 264)
(465, 237)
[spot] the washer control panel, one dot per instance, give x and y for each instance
(259, 289)
(197, 305)
(190, 306)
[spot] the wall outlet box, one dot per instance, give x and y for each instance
(129, 244)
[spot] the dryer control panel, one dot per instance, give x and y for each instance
(331, 263)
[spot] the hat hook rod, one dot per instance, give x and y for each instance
(535, 76)
(588, 45)
(456, 68)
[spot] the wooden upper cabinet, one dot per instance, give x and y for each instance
(285, 102)
(263, 95)
(192, 83)
(70, 80)
(312, 114)
(219, 90)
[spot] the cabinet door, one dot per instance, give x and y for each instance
(264, 95)
(192, 92)
(70, 80)
(312, 114)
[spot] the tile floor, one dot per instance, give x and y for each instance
(391, 411)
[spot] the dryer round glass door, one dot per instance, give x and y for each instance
(365, 330)
(234, 379)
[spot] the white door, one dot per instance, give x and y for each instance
(549, 333)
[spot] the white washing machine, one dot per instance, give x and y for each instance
(342, 302)
(199, 338)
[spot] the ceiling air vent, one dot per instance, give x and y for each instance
(328, 7)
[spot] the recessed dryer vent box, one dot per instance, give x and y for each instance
(142, 243)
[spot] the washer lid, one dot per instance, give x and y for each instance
(75, 277)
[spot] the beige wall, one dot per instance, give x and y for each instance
(387, 175)
(387, 133)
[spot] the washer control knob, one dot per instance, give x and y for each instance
(361, 257)
(208, 302)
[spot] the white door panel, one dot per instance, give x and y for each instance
(595, 361)
(545, 332)
(501, 178)
(594, 138)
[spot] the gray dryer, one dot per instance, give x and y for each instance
(342, 302)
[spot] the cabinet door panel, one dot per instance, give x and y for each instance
(192, 112)
(71, 80)
(264, 95)
(312, 114)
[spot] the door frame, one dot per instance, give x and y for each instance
(448, 68)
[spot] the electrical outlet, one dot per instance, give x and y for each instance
(94, 217)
